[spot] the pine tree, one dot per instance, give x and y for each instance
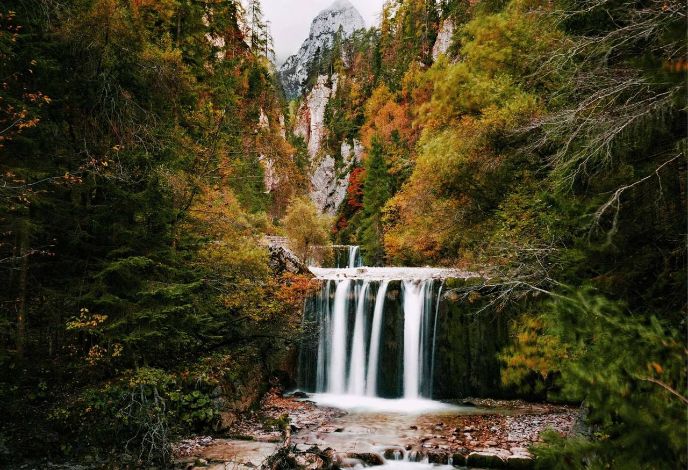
(376, 192)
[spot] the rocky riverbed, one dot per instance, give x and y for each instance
(293, 431)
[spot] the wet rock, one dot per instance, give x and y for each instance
(299, 394)
(200, 463)
(414, 427)
(339, 430)
(438, 457)
(330, 454)
(485, 460)
(309, 461)
(459, 459)
(369, 458)
(393, 454)
(520, 462)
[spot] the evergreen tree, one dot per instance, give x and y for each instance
(375, 194)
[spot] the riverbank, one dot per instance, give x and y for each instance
(477, 432)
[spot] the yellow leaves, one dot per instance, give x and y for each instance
(658, 369)
(305, 226)
(533, 351)
(86, 320)
(95, 355)
(117, 349)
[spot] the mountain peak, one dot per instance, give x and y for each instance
(341, 5)
(325, 26)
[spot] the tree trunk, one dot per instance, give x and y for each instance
(23, 276)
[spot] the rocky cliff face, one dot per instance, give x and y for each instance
(444, 38)
(340, 15)
(329, 175)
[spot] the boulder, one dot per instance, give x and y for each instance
(459, 460)
(441, 458)
(485, 460)
(520, 462)
(284, 260)
(309, 461)
(368, 458)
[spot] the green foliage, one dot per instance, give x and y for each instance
(141, 411)
(630, 371)
(131, 209)
(376, 192)
(305, 227)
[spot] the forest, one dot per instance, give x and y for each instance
(147, 150)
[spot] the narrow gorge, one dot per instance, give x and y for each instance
(343, 234)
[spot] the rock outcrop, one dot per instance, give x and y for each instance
(329, 183)
(341, 17)
(282, 259)
(311, 113)
(444, 39)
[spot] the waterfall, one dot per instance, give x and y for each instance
(374, 349)
(337, 340)
(354, 257)
(357, 373)
(414, 293)
(376, 333)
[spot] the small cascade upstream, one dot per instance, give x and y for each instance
(375, 331)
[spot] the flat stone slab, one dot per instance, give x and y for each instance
(237, 454)
(391, 274)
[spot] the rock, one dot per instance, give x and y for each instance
(309, 461)
(458, 460)
(519, 450)
(490, 444)
(200, 463)
(438, 458)
(414, 427)
(330, 454)
(328, 185)
(369, 458)
(283, 260)
(485, 460)
(227, 419)
(294, 72)
(339, 430)
(393, 454)
(520, 461)
(299, 394)
(444, 38)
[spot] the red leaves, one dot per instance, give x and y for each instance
(354, 193)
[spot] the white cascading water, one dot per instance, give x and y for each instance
(338, 337)
(359, 324)
(414, 300)
(354, 257)
(357, 369)
(374, 350)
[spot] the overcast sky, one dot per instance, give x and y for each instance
(290, 20)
